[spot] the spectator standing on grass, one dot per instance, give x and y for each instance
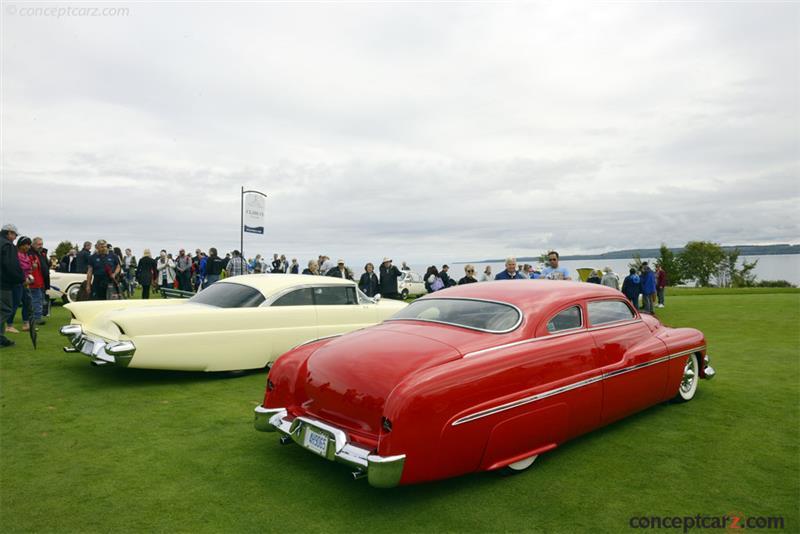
(631, 287)
(103, 267)
(214, 267)
(433, 280)
(83, 257)
(277, 265)
(295, 267)
(129, 270)
(369, 283)
(312, 269)
(166, 270)
(594, 277)
(340, 271)
(648, 278)
(146, 272)
(511, 271)
(237, 266)
(11, 276)
(41, 278)
(69, 263)
(610, 279)
(661, 284)
(25, 262)
(444, 274)
(388, 280)
(553, 271)
(469, 275)
(405, 267)
(183, 266)
(487, 274)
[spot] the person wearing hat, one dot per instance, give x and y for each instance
(10, 276)
(340, 271)
(389, 275)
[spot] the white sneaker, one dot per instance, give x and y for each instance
(660, 305)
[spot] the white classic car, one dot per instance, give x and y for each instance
(243, 322)
(411, 285)
(65, 286)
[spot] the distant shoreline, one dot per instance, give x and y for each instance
(744, 250)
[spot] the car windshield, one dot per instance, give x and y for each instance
(229, 295)
(482, 315)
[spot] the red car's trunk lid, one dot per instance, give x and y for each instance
(348, 380)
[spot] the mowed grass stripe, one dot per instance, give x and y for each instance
(86, 449)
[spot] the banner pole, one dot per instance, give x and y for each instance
(241, 222)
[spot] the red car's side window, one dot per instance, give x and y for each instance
(568, 319)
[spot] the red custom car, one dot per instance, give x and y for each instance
(478, 377)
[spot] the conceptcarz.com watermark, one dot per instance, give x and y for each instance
(58, 12)
(731, 522)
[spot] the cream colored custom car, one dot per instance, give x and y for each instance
(65, 286)
(243, 322)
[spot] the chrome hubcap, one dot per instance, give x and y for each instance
(689, 375)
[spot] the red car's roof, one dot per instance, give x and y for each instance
(530, 296)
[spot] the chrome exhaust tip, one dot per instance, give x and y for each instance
(285, 440)
(70, 349)
(358, 474)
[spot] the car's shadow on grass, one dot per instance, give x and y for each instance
(298, 464)
(110, 376)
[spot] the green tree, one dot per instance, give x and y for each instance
(63, 248)
(730, 275)
(671, 265)
(636, 264)
(699, 261)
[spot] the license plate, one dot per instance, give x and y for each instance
(316, 442)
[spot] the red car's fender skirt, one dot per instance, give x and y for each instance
(679, 340)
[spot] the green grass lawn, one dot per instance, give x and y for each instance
(86, 449)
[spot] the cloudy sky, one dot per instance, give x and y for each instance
(430, 132)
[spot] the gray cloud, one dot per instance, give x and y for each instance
(426, 132)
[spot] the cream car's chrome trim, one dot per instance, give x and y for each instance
(516, 324)
(570, 332)
(99, 351)
(570, 387)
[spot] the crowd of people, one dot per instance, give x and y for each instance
(111, 273)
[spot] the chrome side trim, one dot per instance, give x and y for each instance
(550, 336)
(516, 324)
(569, 387)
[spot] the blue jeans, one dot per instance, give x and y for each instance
(16, 301)
(660, 293)
(37, 296)
(210, 279)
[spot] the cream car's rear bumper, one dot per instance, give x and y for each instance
(381, 471)
(99, 351)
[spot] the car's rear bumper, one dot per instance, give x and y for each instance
(381, 471)
(99, 351)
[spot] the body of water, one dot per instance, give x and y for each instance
(775, 267)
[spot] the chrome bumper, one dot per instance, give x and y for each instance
(99, 351)
(381, 471)
(708, 371)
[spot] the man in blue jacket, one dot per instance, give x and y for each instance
(648, 287)
(631, 287)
